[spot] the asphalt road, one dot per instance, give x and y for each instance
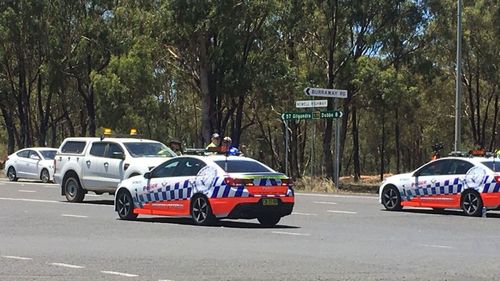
(328, 237)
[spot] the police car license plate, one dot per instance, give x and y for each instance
(270, 202)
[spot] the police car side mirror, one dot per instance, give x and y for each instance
(147, 175)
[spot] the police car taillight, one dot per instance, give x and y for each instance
(238, 182)
(497, 178)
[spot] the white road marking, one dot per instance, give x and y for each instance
(74, 216)
(291, 233)
(119, 273)
(17, 258)
(303, 214)
(325, 202)
(67, 265)
(337, 196)
(30, 200)
(165, 280)
(28, 191)
(93, 195)
(436, 246)
(51, 201)
(341, 212)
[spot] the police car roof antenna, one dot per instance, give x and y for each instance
(225, 162)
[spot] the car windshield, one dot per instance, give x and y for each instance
(242, 166)
(48, 154)
(149, 149)
(493, 165)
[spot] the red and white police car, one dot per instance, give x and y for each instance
(207, 188)
(468, 183)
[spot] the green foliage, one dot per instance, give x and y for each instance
(181, 69)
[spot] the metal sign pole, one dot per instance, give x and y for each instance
(286, 147)
(337, 150)
(312, 145)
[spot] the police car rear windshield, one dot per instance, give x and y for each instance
(242, 166)
(493, 165)
(148, 149)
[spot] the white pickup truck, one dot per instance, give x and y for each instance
(99, 164)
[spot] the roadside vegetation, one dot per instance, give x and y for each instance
(185, 69)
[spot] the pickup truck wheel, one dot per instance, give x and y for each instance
(73, 191)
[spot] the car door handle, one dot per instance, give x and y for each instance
(106, 164)
(433, 181)
(88, 162)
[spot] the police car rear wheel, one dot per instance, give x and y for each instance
(391, 199)
(269, 220)
(471, 203)
(201, 212)
(125, 206)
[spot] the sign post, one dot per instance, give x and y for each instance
(331, 93)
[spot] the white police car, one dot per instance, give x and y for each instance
(468, 183)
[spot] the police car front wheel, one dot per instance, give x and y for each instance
(125, 206)
(391, 199)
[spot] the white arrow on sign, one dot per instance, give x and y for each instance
(311, 103)
(320, 92)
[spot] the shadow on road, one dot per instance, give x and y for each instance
(221, 223)
(94, 202)
(447, 212)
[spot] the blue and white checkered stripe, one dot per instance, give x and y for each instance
(179, 191)
(490, 185)
(451, 187)
(184, 190)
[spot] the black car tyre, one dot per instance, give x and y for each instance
(11, 173)
(125, 205)
(391, 199)
(73, 190)
(45, 176)
(471, 203)
(269, 220)
(201, 212)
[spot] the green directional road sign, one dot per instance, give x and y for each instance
(296, 115)
(331, 114)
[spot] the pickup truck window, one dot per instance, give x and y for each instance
(73, 147)
(114, 150)
(98, 149)
(148, 149)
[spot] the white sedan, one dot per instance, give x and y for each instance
(31, 163)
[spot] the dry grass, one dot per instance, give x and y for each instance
(367, 184)
(315, 184)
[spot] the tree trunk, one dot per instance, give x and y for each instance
(328, 131)
(236, 133)
(382, 146)
(398, 142)
(206, 99)
(11, 129)
(355, 144)
(494, 125)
